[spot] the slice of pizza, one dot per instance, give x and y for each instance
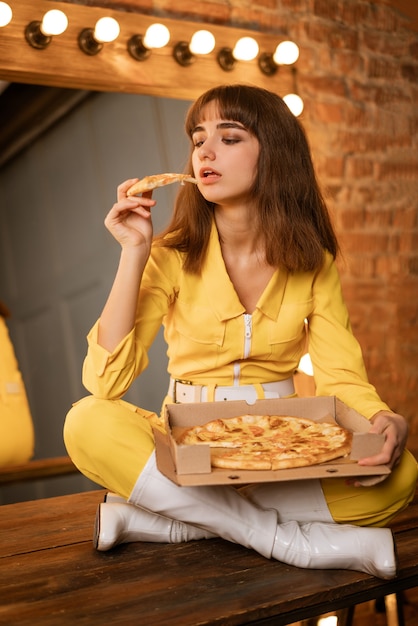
(159, 180)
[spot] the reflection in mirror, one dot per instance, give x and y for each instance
(56, 257)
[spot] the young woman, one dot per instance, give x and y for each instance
(248, 256)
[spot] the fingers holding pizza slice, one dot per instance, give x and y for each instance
(148, 183)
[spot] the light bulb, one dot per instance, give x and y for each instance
(107, 29)
(286, 53)
(330, 620)
(246, 49)
(54, 22)
(156, 36)
(6, 14)
(294, 102)
(202, 42)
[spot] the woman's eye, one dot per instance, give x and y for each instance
(197, 143)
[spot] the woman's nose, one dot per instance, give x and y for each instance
(206, 151)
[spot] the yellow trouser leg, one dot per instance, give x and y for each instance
(372, 506)
(110, 441)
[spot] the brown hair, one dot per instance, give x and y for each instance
(291, 214)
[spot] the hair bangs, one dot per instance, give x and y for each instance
(234, 103)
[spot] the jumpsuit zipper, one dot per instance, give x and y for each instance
(248, 329)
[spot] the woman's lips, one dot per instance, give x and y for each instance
(208, 175)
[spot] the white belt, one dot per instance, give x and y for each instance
(184, 391)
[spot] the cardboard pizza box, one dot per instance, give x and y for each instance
(189, 465)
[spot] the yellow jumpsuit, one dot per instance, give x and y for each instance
(211, 341)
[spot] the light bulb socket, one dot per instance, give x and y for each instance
(87, 43)
(136, 48)
(35, 37)
(226, 59)
(267, 64)
(182, 54)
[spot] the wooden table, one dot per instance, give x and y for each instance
(50, 575)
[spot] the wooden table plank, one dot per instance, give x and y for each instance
(209, 582)
(47, 523)
(50, 575)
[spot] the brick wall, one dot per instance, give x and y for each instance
(358, 75)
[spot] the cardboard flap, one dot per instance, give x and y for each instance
(192, 459)
(366, 444)
(349, 418)
(199, 413)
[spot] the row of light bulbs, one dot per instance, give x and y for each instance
(39, 35)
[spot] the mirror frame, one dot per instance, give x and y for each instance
(63, 64)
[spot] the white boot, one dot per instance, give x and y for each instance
(118, 522)
(295, 501)
(303, 501)
(210, 508)
(334, 546)
(223, 511)
(110, 496)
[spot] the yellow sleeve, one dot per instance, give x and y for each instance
(336, 355)
(109, 375)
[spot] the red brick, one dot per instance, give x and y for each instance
(413, 266)
(410, 72)
(354, 13)
(348, 62)
(408, 311)
(296, 6)
(359, 266)
(383, 68)
(383, 17)
(395, 46)
(129, 5)
(211, 11)
(359, 167)
(351, 141)
(378, 218)
(334, 85)
(326, 8)
(408, 241)
(265, 20)
(379, 94)
(329, 112)
(406, 218)
(264, 4)
(371, 244)
(358, 115)
(388, 266)
(392, 94)
(329, 166)
(394, 170)
(332, 34)
(352, 218)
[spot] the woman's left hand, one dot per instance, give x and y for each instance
(395, 429)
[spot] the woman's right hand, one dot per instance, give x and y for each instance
(129, 219)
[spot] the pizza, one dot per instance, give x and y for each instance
(269, 442)
(158, 180)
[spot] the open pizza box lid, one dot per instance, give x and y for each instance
(189, 465)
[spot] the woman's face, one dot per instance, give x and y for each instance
(224, 158)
